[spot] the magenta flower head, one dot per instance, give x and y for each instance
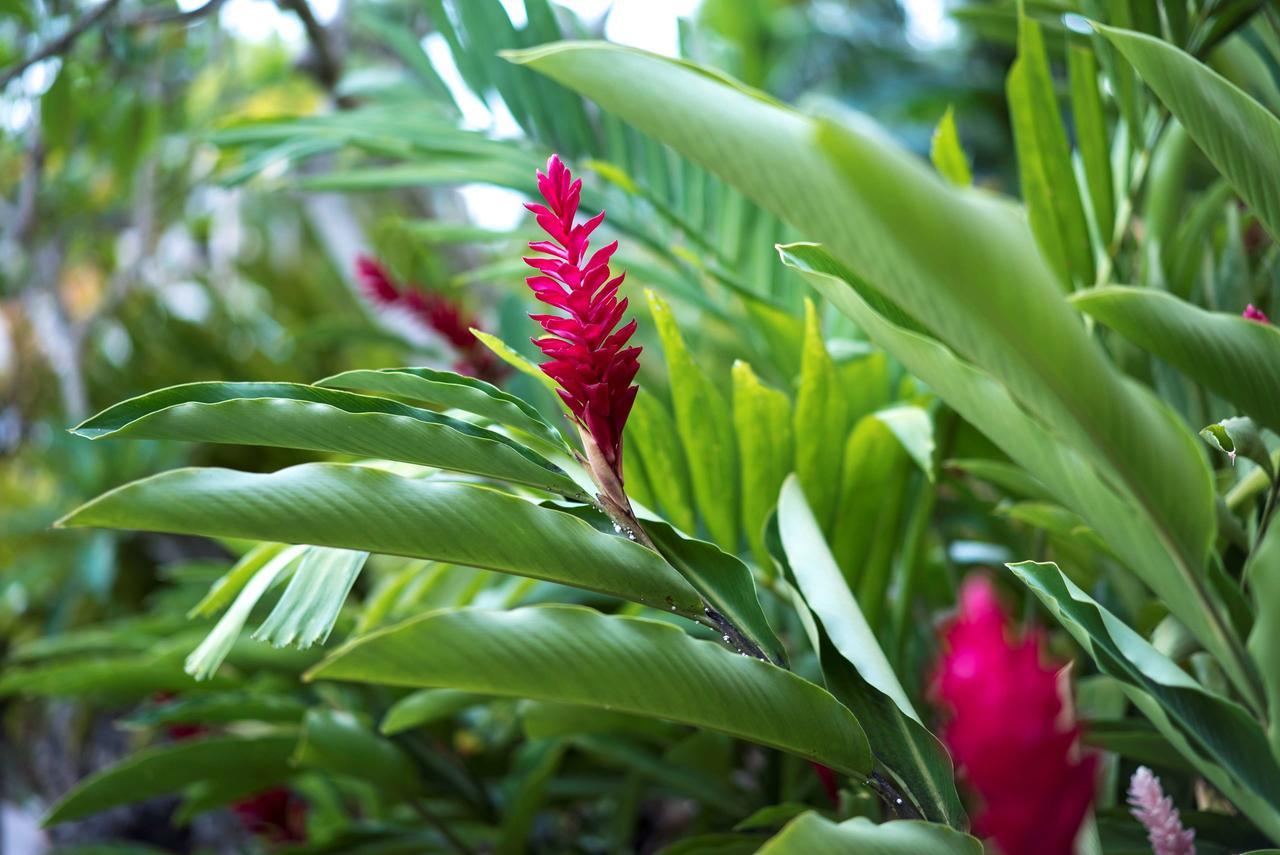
(1011, 734)
(1254, 314)
(1157, 814)
(587, 357)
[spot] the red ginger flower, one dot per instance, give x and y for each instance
(587, 357)
(433, 311)
(1012, 737)
(1254, 314)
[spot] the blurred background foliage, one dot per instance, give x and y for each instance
(186, 190)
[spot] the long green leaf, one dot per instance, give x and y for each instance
(353, 507)
(575, 655)
(170, 768)
(872, 690)
(450, 391)
(814, 834)
(1129, 529)
(652, 435)
(821, 423)
(762, 419)
(1044, 159)
(705, 425)
(1216, 734)
(291, 415)
(947, 154)
(1262, 572)
(1236, 358)
(1234, 131)
(1091, 137)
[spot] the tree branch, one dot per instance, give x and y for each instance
(61, 44)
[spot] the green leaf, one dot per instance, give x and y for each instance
(1091, 137)
(310, 604)
(1236, 358)
(336, 741)
(1239, 135)
(946, 152)
(291, 415)
(724, 581)
(1262, 573)
(652, 436)
(1133, 531)
(1044, 160)
(205, 659)
(427, 706)
(353, 507)
(821, 422)
(574, 655)
(961, 262)
(813, 834)
(452, 391)
(1216, 734)
(218, 708)
(534, 766)
(508, 355)
(873, 481)
(705, 425)
(173, 767)
(762, 420)
(224, 591)
(870, 688)
(914, 430)
(1240, 436)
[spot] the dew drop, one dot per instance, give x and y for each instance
(726, 639)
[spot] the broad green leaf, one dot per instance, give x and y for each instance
(724, 581)
(451, 391)
(1216, 734)
(946, 152)
(914, 429)
(291, 415)
(1010, 478)
(1239, 435)
(821, 423)
(1091, 137)
(1131, 531)
(205, 659)
(960, 262)
(427, 706)
(1044, 159)
(542, 720)
(310, 604)
(652, 435)
(353, 507)
(1236, 358)
(173, 767)
(814, 834)
(762, 420)
(574, 655)
(336, 741)
(1262, 573)
(1234, 131)
(705, 425)
(870, 688)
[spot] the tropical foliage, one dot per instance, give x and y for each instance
(684, 571)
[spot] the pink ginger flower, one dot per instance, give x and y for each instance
(1155, 810)
(1010, 732)
(587, 355)
(1254, 314)
(432, 311)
